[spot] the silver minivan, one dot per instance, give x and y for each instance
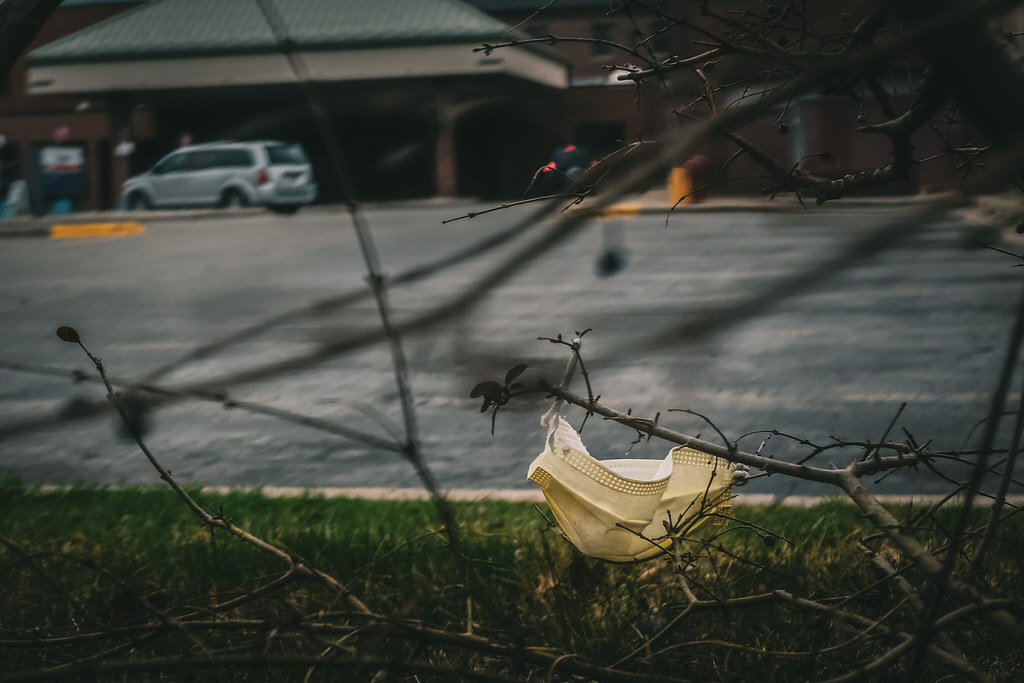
(231, 174)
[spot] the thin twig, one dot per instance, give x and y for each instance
(212, 521)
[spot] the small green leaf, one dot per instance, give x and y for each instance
(514, 372)
(489, 389)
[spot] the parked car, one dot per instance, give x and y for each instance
(264, 173)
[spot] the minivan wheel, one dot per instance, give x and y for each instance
(233, 199)
(284, 209)
(138, 202)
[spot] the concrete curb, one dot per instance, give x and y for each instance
(627, 209)
(535, 496)
(653, 202)
(43, 226)
(656, 202)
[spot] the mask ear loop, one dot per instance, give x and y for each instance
(550, 419)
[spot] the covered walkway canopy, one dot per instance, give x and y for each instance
(198, 43)
(387, 69)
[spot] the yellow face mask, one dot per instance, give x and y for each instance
(617, 509)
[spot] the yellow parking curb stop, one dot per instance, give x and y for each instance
(96, 229)
(620, 210)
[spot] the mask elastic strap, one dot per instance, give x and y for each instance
(549, 419)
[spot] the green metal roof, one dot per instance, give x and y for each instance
(176, 28)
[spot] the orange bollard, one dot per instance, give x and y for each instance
(680, 184)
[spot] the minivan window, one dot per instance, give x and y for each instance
(233, 157)
(201, 160)
(286, 154)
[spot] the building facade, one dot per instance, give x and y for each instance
(419, 109)
(416, 110)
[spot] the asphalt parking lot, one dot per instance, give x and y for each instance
(923, 322)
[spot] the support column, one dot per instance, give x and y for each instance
(446, 181)
(120, 133)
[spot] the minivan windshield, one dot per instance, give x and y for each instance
(170, 164)
(286, 154)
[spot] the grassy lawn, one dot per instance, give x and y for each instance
(112, 578)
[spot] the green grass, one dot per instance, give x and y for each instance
(82, 560)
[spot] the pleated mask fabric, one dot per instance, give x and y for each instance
(617, 509)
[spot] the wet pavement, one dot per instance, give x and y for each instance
(923, 323)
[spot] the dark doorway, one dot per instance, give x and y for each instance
(390, 155)
(497, 152)
(600, 137)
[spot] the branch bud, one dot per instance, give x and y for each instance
(68, 334)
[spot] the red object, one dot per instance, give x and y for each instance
(548, 167)
(261, 177)
(697, 162)
(569, 148)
